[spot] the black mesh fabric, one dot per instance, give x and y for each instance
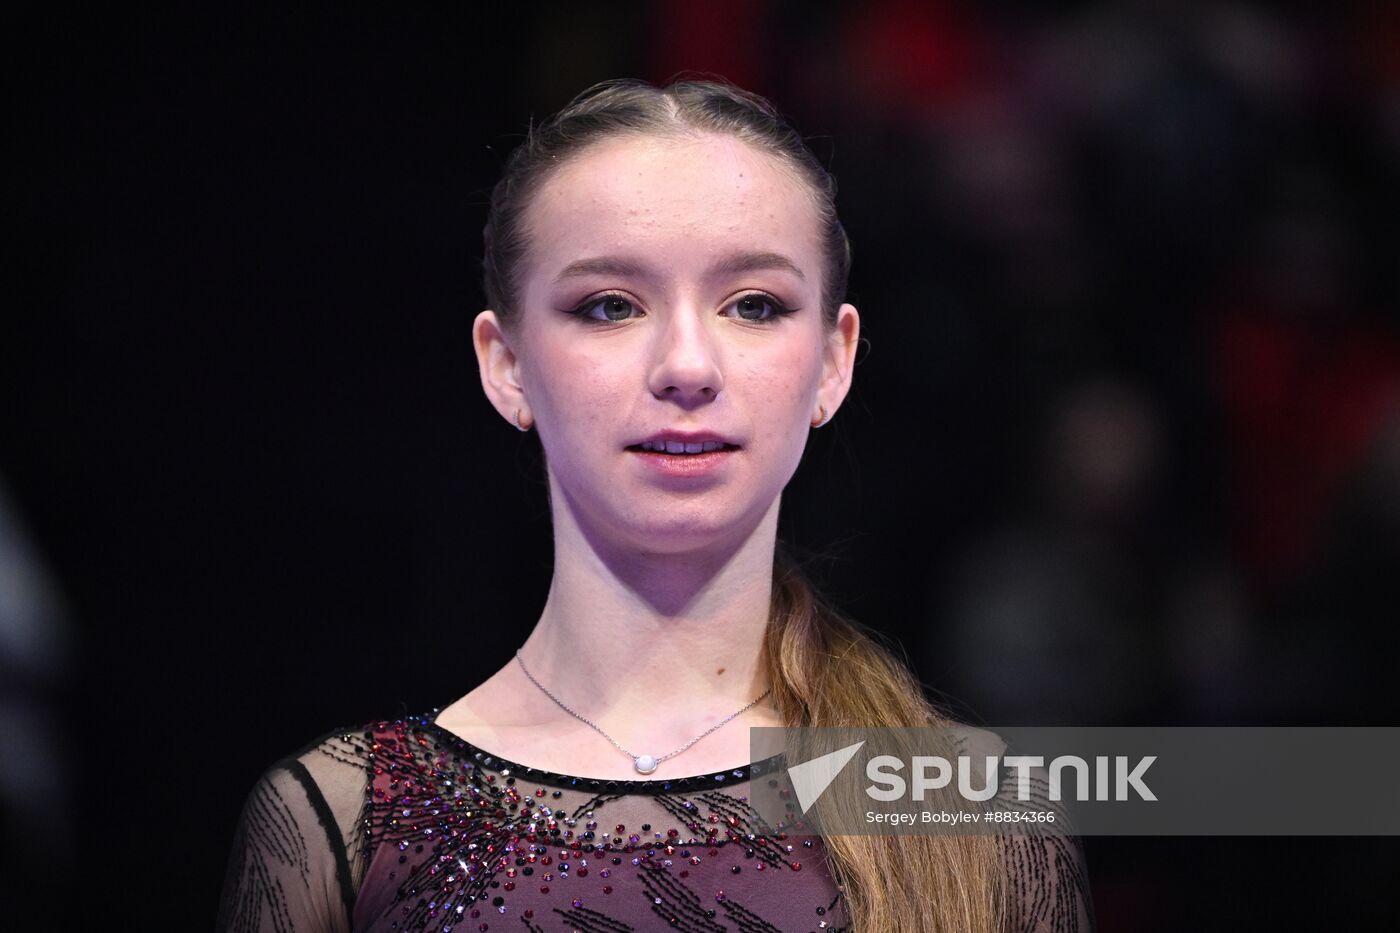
(403, 826)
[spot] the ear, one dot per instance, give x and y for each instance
(500, 369)
(839, 366)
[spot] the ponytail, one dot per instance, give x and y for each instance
(828, 671)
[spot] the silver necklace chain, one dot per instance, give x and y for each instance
(645, 764)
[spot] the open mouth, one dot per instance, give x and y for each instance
(678, 449)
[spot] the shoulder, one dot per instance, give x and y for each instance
(971, 740)
(306, 835)
(1047, 885)
(322, 783)
(350, 768)
(325, 782)
(290, 867)
(350, 753)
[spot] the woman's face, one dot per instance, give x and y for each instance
(672, 296)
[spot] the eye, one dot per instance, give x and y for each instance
(607, 308)
(759, 307)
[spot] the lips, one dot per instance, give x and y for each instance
(679, 443)
(685, 456)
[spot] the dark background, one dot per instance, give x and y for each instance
(1125, 448)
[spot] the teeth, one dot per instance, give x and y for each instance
(679, 447)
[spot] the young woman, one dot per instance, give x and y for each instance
(665, 272)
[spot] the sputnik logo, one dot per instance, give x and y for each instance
(811, 778)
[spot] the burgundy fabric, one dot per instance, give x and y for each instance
(403, 826)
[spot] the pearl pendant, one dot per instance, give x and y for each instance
(646, 764)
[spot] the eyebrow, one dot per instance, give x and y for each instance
(602, 265)
(756, 262)
(732, 264)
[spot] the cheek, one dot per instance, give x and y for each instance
(573, 394)
(781, 383)
(798, 366)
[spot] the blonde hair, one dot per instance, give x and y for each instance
(828, 671)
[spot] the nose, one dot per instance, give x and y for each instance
(685, 365)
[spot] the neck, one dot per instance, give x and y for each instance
(654, 648)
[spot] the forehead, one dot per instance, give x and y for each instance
(684, 198)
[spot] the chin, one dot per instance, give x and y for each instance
(678, 537)
(685, 530)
